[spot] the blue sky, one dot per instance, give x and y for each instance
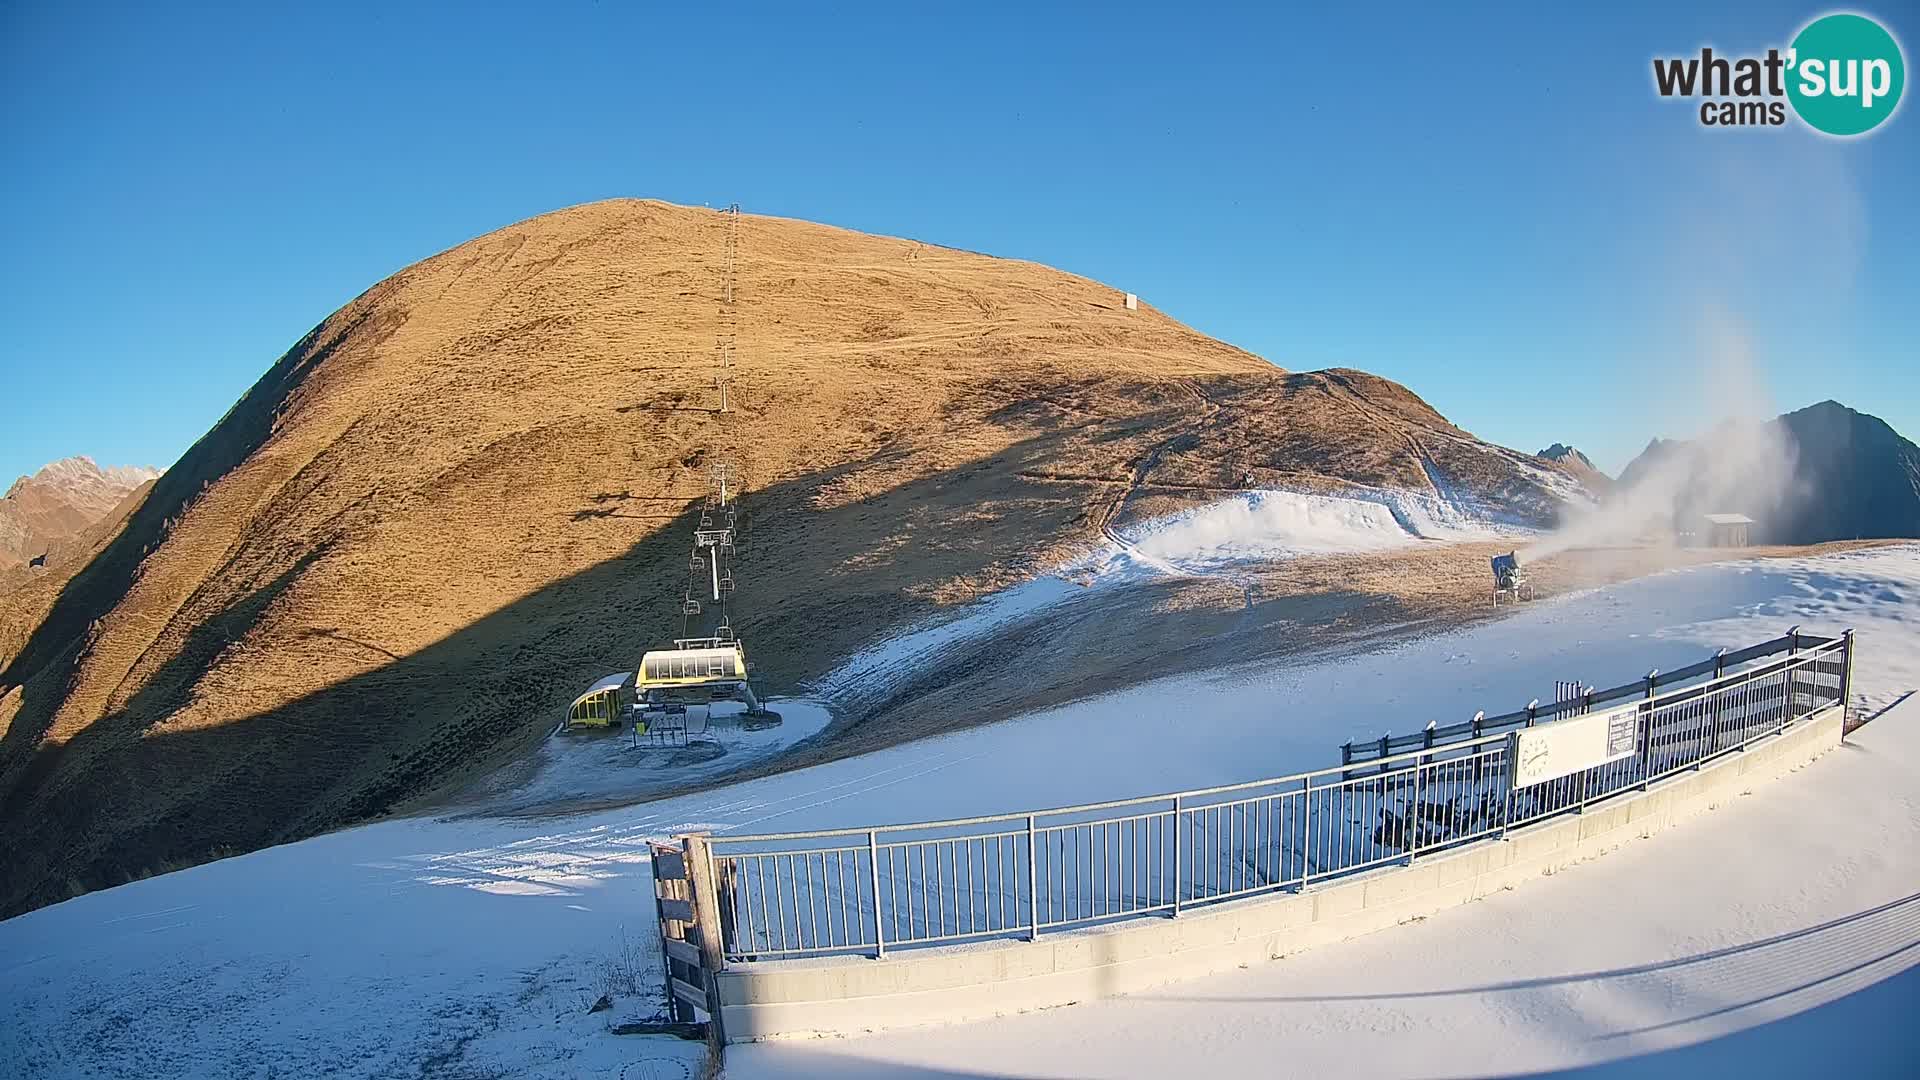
(1489, 205)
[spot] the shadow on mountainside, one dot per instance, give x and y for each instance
(834, 559)
(129, 794)
(45, 663)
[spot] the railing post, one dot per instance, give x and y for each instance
(1506, 797)
(873, 865)
(1033, 882)
(1306, 831)
(1719, 700)
(1479, 762)
(676, 1008)
(1646, 748)
(1793, 678)
(1586, 706)
(1846, 683)
(1419, 791)
(1176, 856)
(706, 915)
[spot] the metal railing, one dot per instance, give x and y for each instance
(1716, 665)
(1020, 875)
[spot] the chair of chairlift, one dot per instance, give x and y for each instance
(690, 606)
(726, 584)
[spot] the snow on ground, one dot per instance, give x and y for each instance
(1270, 525)
(471, 947)
(895, 657)
(587, 767)
(1260, 525)
(1253, 526)
(1796, 907)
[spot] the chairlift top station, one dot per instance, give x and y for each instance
(697, 669)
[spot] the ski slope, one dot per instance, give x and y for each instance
(1250, 527)
(1266, 525)
(473, 947)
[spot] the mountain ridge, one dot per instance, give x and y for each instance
(59, 501)
(467, 494)
(1849, 475)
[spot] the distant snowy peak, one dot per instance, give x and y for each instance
(81, 479)
(59, 501)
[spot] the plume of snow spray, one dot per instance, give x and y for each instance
(1741, 465)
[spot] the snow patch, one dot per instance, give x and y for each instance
(1271, 525)
(898, 657)
(1250, 527)
(1264, 525)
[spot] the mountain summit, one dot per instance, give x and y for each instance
(59, 502)
(1562, 454)
(1576, 464)
(1825, 472)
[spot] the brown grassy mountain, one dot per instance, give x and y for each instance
(467, 493)
(58, 503)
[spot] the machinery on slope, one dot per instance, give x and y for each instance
(1509, 580)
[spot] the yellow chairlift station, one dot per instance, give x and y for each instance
(692, 662)
(600, 706)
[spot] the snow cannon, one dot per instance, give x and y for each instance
(1509, 580)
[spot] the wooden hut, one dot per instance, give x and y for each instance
(1726, 530)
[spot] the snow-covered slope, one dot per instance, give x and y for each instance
(1248, 528)
(473, 947)
(1279, 524)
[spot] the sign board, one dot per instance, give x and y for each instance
(1578, 743)
(669, 865)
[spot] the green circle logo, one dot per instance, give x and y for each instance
(1845, 74)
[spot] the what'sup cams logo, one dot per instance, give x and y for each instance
(1842, 75)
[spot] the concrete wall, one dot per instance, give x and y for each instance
(848, 995)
